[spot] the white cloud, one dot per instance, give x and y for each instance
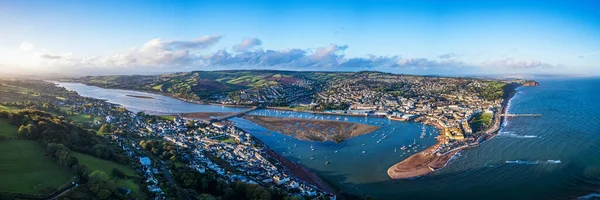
(155, 53)
(247, 43)
(26, 46)
(173, 55)
(450, 55)
(516, 64)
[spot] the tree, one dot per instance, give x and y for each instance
(25, 131)
(105, 128)
(100, 184)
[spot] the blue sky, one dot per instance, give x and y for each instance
(416, 37)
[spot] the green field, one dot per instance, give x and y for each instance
(129, 184)
(481, 121)
(8, 108)
(7, 130)
(168, 117)
(227, 140)
(83, 118)
(94, 163)
(106, 166)
(24, 168)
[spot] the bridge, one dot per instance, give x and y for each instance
(521, 115)
(232, 115)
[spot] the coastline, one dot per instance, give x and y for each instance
(302, 172)
(322, 113)
(425, 162)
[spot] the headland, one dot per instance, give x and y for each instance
(430, 160)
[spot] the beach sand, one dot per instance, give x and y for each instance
(419, 164)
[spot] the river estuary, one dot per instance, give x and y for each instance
(551, 157)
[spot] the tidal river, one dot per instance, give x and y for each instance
(553, 157)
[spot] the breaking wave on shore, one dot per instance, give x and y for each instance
(513, 135)
(590, 196)
(532, 162)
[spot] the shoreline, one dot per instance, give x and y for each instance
(424, 162)
(322, 113)
(301, 172)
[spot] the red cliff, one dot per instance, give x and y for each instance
(531, 84)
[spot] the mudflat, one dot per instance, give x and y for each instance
(204, 115)
(312, 130)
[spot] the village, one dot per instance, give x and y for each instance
(219, 147)
(449, 104)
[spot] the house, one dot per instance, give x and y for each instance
(280, 180)
(145, 161)
(124, 191)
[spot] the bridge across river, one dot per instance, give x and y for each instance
(521, 115)
(232, 115)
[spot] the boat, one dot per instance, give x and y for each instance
(395, 149)
(327, 162)
(335, 151)
(403, 148)
(363, 152)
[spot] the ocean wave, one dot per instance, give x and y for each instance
(532, 162)
(590, 196)
(512, 135)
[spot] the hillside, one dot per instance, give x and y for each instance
(289, 88)
(204, 85)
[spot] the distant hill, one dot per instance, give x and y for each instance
(200, 85)
(282, 88)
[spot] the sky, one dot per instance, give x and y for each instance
(441, 37)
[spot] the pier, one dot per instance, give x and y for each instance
(224, 117)
(521, 115)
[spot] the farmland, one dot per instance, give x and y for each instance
(107, 166)
(7, 130)
(26, 170)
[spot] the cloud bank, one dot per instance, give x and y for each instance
(180, 55)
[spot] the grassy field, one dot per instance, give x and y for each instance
(106, 166)
(227, 140)
(8, 108)
(83, 118)
(7, 130)
(94, 163)
(168, 117)
(481, 121)
(24, 168)
(129, 184)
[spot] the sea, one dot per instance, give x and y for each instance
(555, 156)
